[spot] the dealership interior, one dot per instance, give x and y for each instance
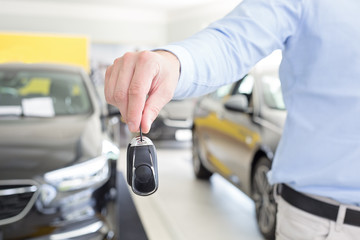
(64, 152)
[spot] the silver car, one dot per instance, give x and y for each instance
(235, 133)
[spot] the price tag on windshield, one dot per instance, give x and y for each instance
(38, 107)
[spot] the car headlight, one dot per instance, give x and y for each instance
(79, 176)
(110, 150)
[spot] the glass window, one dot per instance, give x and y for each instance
(42, 93)
(222, 91)
(272, 92)
(246, 85)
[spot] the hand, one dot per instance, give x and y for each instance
(140, 84)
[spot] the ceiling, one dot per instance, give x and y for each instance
(168, 4)
(148, 4)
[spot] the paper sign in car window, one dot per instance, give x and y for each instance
(10, 110)
(38, 107)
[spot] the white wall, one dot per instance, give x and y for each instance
(102, 23)
(183, 23)
(109, 21)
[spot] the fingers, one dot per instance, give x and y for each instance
(107, 86)
(134, 76)
(125, 69)
(146, 70)
(153, 105)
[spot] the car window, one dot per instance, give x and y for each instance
(222, 91)
(246, 85)
(272, 94)
(42, 93)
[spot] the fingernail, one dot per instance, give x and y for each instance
(148, 125)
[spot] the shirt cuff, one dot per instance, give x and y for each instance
(186, 77)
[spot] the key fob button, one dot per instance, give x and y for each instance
(144, 179)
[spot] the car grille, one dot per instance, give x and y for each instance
(15, 200)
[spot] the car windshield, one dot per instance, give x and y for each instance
(42, 93)
(272, 92)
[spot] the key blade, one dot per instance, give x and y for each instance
(141, 134)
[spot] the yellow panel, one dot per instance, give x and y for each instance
(219, 165)
(238, 132)
(36, 86)
(75, 91)
(35, 48)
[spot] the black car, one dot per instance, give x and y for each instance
(235, 133)
(57, 165)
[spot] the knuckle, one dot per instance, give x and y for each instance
(108, 72)
(127, 62)
(119, 96)
(128, 56)
(149, 61)
(144, 56)
(117, 61)
(108, 69)
(136, 89)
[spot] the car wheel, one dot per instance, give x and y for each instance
(262, 194)
(201, 172)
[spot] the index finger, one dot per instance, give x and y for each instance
(145, 72)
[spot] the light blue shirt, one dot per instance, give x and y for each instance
(319, 152)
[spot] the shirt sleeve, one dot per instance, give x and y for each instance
(227, 49)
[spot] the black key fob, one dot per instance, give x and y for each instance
(142, 173)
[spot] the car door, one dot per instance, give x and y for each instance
(234, 142)
(207, 128)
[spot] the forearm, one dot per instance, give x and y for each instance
(226, 50)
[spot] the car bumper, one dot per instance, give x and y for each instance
(169, 129)
(87, 214)
(88, 229)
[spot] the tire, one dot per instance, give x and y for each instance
(200, 171)
(262, 194)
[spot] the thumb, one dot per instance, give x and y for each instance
(153, 106)
(162, 89)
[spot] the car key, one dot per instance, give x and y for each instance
(142, 173)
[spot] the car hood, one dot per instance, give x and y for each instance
(30, 147)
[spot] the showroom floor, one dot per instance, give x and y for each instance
(184, 208)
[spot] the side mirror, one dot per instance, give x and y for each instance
(238, 103)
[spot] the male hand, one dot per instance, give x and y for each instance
(140, 84)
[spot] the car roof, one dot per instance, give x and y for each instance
(42, 66)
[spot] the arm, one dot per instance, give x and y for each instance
(222, 53)
(226, 50)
